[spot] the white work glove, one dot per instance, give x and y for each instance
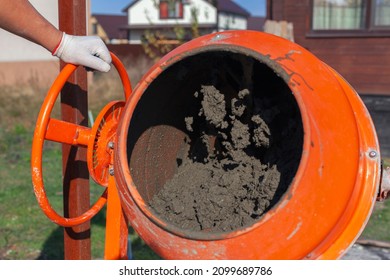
(89, 51)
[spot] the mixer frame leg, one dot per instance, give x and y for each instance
(116, 226)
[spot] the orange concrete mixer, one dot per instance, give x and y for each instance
(235, 145)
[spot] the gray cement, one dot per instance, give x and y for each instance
(360, 252)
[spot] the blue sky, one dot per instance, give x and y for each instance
(255, 7)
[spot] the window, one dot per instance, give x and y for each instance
(171, 9)
(381, 14)
(363, 16)
(338, 14)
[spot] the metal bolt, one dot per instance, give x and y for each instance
(372, 154)
(111, 171)
(111, 145)
(308, 256)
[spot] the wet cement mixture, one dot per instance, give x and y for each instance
(221, 183)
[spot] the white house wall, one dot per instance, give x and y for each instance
(145, 12)
(231, 22)
(14, 48)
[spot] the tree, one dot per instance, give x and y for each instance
(157, 43)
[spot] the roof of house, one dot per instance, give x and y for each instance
(227, 6)
(256, 23)
(124, 10)
(110, 24)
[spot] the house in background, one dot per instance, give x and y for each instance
(231, 15)
(353, 37)
(108, 27)
(165, 15)
(256, 23)
(141, 16)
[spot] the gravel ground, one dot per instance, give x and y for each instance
(360, 252)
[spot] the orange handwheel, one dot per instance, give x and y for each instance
(98, 139)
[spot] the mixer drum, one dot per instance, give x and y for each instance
(243, 145)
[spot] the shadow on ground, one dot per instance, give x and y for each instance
(53, 248)
(361, 252)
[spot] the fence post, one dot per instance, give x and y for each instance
(74, 108)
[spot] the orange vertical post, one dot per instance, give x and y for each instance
(74, 109)
(116, 225)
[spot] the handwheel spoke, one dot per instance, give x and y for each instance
(67, 133)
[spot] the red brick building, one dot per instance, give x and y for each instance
(352, 36)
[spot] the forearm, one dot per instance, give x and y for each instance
(21, 18)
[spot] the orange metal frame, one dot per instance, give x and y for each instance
(100, 155)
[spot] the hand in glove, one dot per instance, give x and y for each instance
(89, 51)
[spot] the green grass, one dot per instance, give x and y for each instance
(378, 227)
(20, 214)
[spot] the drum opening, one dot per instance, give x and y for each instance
(214, 142)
